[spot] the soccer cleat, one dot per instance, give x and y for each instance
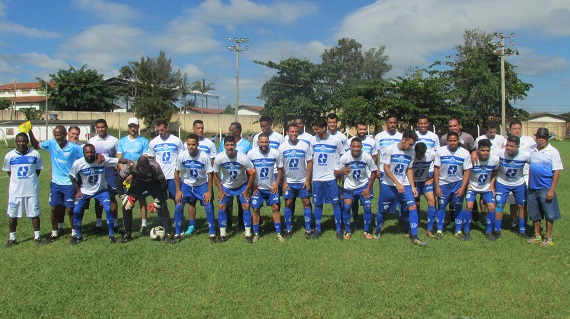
(280, 237)
(249, 239)
(143, 231)
(168, 239)
(347, 235)
(189, 231)
(126, 238)
(430, 234)
(535, 240)
(419, 242)
(479, 225)
(368, 235)
(11, 243)
(377, 234)
(255, 238)
(40, 242)
(222, 239)
(339, 235)
(438, 235)
(514, 225)
(524, 236)
(112, 239)
(288, 234)
(308, 234)
(213, 240)
(75, 240)
(176, 239)
(317, 234)
(490, 236)
(459, 235)
(468, 236)
(547, 242)
(497, 234)
(52, 238)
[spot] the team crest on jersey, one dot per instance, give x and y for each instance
(31, 160)
(323, 148)
(264, 162)
(452, 160)
(293, 153)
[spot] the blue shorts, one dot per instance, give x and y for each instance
(192, 194)
(296, 190)
(264, 195)
(83, 201)
(110, 180)
(486, 196)
(234, 192)
(389, 196)
(449, 197)
(325, 192)
(356, 194)
(171, 188)
(61, 195)
(423, 188)
(502, 193)
(539, 207)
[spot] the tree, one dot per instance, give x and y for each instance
(80, 90)
(32, 114)
(5, 104)
(229, 110)
(201, 87)
(156, 85)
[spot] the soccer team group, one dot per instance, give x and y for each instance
(489, 172)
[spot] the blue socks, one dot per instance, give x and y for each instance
(522, 226)
(337, 216)
(287, 215)
(210, 218)
(307, 215)
(490, 222)
(277, 228)
(318, 216)
(414, 220)
(178, 216)
(430, 217)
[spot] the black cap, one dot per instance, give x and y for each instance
(542, 132)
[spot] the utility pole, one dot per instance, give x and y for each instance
(237, 49)
(502, 51)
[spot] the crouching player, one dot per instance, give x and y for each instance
(360, 171)
(265, 160)
(93, 185)
(147, 176)
(23, 166)
(197, 181)
(398, 184)
(424, 181)
(482, 182)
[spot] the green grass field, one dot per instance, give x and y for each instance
(325, 278)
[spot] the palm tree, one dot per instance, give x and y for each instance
(200, 86)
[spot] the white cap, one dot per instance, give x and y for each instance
(133, 120)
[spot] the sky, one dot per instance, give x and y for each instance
(37, 38)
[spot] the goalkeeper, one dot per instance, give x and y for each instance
(147, 176)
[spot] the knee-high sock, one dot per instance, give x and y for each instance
(178, 216)
(287, 215)
(414, 220)
(440, 217)
(77, 222)
(367, 218)
(467, 216)
(337, 213)
(277, 228)
(211, 219)
(405, 219)
(522, 225)
(346, 215)
(318, 216)
(459, 221)
(247, 218)
(490, 221)
(307, 215)
(379, 221)
(222, 218)
(498, 223)
(430, 217)
(110, 219)
(255, 228)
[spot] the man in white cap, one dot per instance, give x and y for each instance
(132, 147)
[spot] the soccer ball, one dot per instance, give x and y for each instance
(157, 233)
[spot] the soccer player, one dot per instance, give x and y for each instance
(197, 184)
(147, 178)
(62, 192)
(482, 183)
(297, 157)
(465, 139)
(93, 185)
(266, 124)
(545, 167)
(326, 153)
(105, 144)
(73, 133)
(368, 146)
(208, 147)
(398, 184)
(303, 135)
(430, 139)
(360, 170)
(510, 179)
(265, 160)
(132, 147)
(423, 162)
(23, 166)
(451, 177)
(165, 149)
(332, 129)
(234, 175)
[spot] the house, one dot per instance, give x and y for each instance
(26, 94)
(249, 110)
(200, 110)
(555, 124)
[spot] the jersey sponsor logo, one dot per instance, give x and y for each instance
(294, 163)
(399, 169)
(23, 172)
(322, 159)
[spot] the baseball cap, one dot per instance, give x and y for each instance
(133, 120)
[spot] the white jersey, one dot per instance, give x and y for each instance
(194, 169)
(325, 157)
(480, 177)
(22, 167)
(304, 137)
(452, 164)
(106, 146)
(265, 166)
(92, 174)
(360, 169)
(295, 158)
(511, 168)
(430, 139)
(422, 167)
(399, 161)
(275, 139)
(233, 171)
(343, 139)
(497, 143)
(368, 145)
(526, 144)
(207, 146)
(165, 153)
(383, 141)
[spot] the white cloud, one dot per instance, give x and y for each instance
(14, 28)
(193, 71)
(108, 11)
(540, 65)
(185, 36)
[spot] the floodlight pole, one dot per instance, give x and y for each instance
(237, 49)
(502, 51)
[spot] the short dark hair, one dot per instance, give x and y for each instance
(515, 122)
(264, 135)
(143, 163)
(410, 134)
(229, 139)
(237, 125)
(514, 139)
(101, 121)
(391, 116)
(355, 139)
(266, 118)
(421, 117)
(192, 136)
(484, 143)
(332, 116)
(456, 119)
(491, 125)
(361, 123)
(197, 122)
(24, 135)
(162, 122)
(420, 148)
(88, 145)
(452, 134)
(320, 122)
(290, 125)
